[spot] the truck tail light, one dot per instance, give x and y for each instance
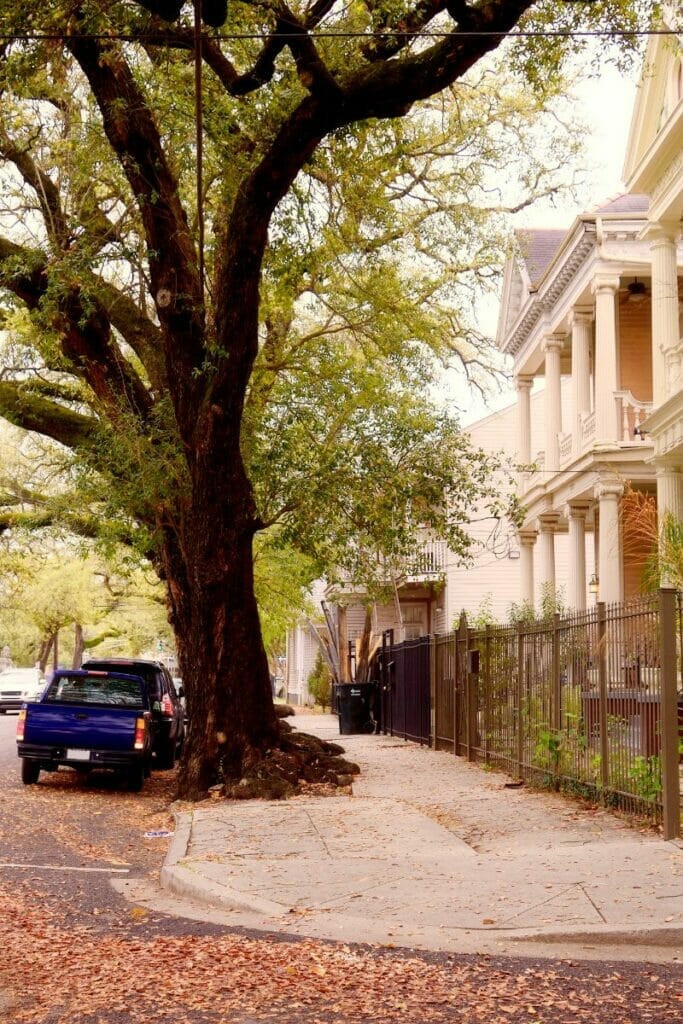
(167, 706)
(21, 725)
(140, 733)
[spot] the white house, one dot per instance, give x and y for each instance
(654, 166)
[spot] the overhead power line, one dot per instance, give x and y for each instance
(163, 36)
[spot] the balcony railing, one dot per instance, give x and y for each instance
(566, 447)
(427, 563)
(537, 476)
(632, 412)
(587, 429)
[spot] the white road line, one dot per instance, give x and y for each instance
(66, 867)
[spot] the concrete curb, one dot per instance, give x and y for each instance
(658, 935)
(179, 877)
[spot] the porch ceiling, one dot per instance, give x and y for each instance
(577, 482)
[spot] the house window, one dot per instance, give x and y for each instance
(415, 619)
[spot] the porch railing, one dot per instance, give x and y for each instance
(428, 562)
(632, 412)
(587, 429)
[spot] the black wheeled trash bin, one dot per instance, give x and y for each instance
(356, 707)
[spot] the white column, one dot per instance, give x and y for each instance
(606, 425)
(552, 346)
(610, 563)
(665, 339)
(523, 387)
(546, 525)
(582, 330)
(669, 503)
(576, 591)
(669, 491)
(527, 540)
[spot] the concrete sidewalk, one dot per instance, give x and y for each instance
(433, 853)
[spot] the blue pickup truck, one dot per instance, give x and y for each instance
(86, 720)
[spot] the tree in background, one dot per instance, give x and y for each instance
(144, 309)
(282, 578)
(58, 604)
(319, 683)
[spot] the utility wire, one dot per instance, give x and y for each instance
(161, 36)
(199, 137)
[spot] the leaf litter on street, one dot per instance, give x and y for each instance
(68, 961)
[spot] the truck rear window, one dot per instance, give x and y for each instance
(101, 689)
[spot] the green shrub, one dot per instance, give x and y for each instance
(320, 683)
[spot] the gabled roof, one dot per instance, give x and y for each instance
(650, 110)
(545, 260)
(624, 203)
(536, 248)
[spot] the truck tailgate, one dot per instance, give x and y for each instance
(90, 728)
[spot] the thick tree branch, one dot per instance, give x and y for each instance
(88, 527)
(31, 412)
(262, 71)
(85, 332)
(88, 344)
(43, 186)
(390, 88)
(23, 271)
(136, 329)
(403, 32)
(134, 137)
(313, 73)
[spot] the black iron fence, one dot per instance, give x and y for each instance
(590, 703)
(404, 675)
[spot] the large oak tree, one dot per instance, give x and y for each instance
(147, 366)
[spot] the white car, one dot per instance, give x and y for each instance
(18, 685)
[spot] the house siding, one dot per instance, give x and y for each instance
(492, 582)
(635, 349)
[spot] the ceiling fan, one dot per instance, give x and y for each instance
(635, 291)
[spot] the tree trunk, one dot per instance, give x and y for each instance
(78, 646)
(210, 583)
(343, 634)
(44, 652)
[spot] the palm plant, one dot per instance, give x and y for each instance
(653, 541)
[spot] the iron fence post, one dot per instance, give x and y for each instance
(668, 715)
(432, 691)
(456, 693)
(460, 696)
(469, 697)
(602, 694)
(384, 682)
(556, 714)
(519, 698)
(486, 690)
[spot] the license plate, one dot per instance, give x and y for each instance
(78, 755)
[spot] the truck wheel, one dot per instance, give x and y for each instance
(30, 770)
(135, 777)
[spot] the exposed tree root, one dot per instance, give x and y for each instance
(298, 762)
